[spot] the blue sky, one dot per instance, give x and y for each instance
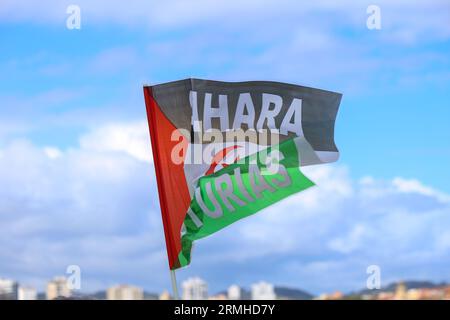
(74, 151)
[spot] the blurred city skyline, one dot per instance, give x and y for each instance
(195, 288)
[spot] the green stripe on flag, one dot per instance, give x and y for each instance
(240, 190)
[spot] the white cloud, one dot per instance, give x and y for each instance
(320, 43)
(343, 226)
(131, 138)
(406, 21)
(415, 186)
(350, 242)
(52, 152)
(181, 12)
(93, 207)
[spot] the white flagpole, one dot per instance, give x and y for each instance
(174, 285)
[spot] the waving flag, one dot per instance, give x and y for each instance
(223, 151)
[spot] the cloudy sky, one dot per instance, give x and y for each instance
(77, 180)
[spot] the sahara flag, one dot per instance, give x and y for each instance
(225, 150)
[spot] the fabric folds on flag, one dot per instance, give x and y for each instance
(224, 151)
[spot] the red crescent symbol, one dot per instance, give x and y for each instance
(219, 157)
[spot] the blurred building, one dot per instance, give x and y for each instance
(27, 293)
(427, 294)
(337, 295)
(263, 291)
(220, 296)
(446, 291)
(124, 292)
(195, 289)
(386, 296)
(165, 295)
(414, 294)
(58, 288)
(400, 292)
(234, 292)
(8, 289)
